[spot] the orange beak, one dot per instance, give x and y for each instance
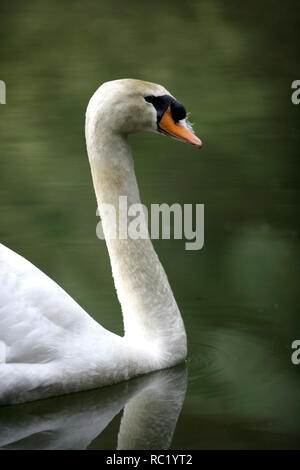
(178, 131)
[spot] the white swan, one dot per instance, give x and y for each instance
(49, 344)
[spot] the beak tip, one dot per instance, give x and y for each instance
(197, 142)
(178, 131)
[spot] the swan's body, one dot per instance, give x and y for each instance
(49, 344)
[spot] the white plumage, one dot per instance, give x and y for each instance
(48, 344)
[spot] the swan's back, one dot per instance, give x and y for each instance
(37, 316)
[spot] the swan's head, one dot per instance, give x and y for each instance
(127, 106)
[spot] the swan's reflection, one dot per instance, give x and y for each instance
(152, 406)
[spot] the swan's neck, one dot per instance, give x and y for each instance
(150, 313)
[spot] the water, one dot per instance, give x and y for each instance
(232, 68)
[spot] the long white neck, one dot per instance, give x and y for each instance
(150, 312)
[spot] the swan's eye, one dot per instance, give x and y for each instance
(149, 98)
(160, 103)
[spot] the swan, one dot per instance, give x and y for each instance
(48, 344)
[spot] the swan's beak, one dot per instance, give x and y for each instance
(178, 131)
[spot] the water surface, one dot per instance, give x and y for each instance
(232, 67)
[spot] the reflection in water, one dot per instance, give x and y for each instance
(152, 406)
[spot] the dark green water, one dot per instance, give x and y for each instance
(232, 65)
